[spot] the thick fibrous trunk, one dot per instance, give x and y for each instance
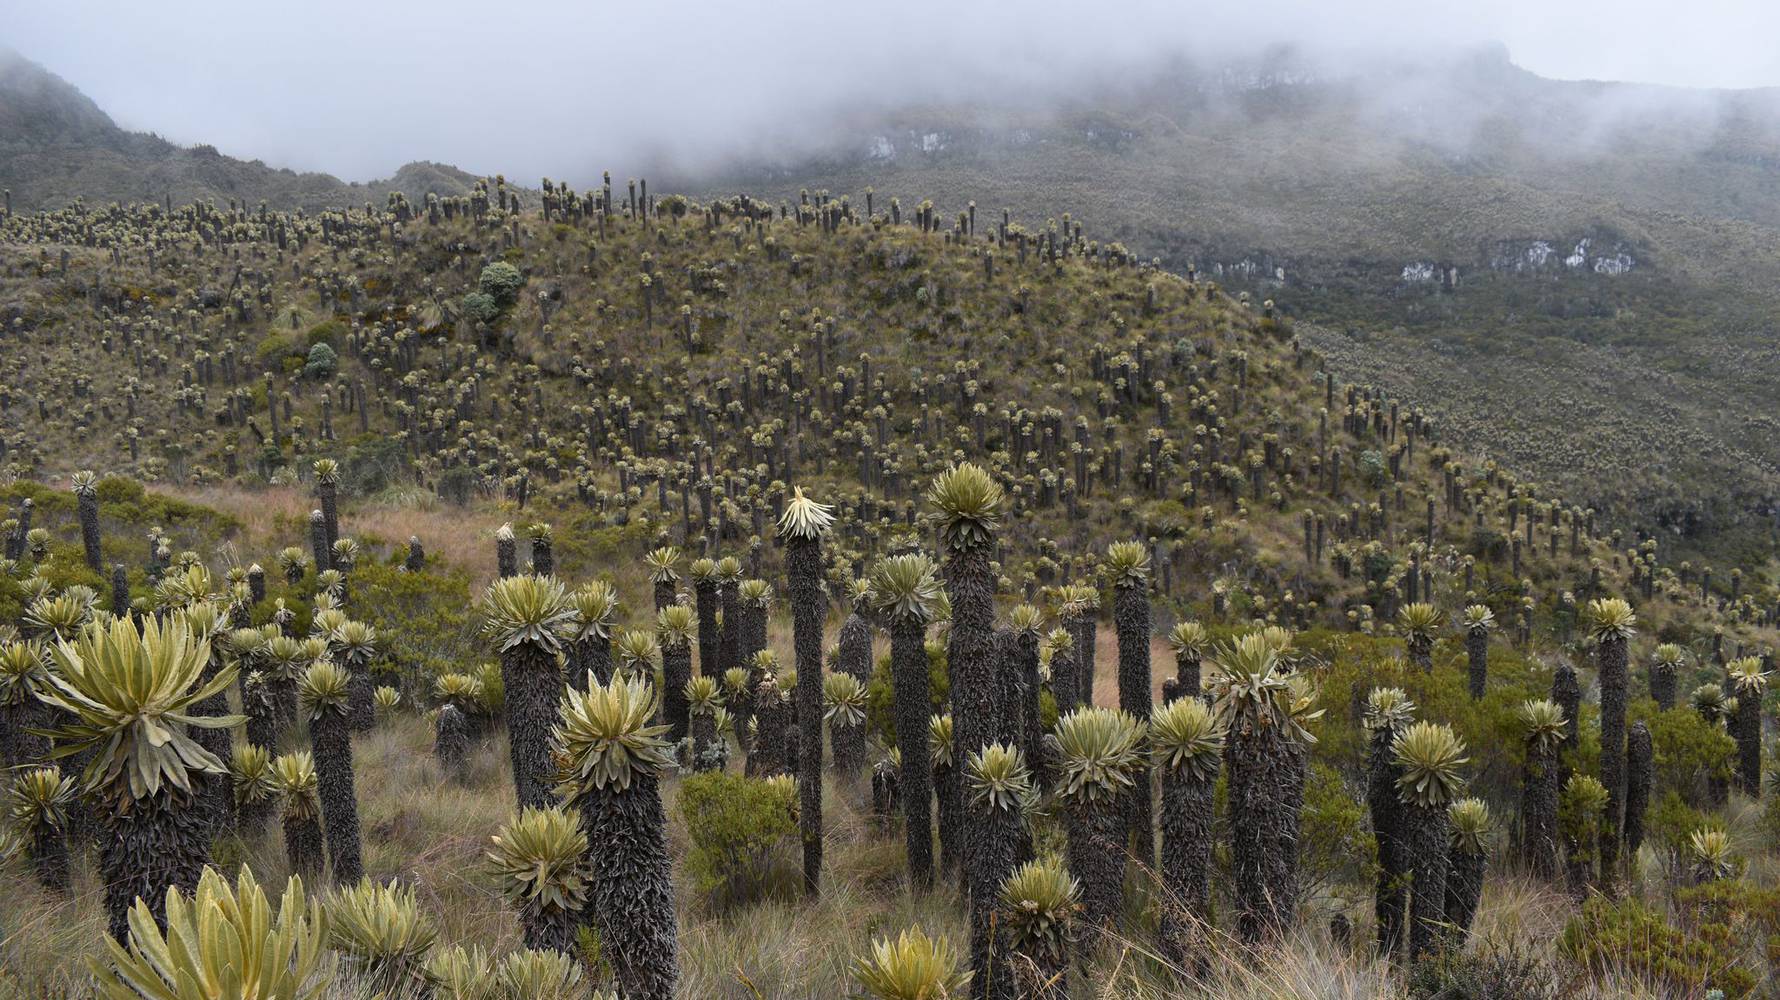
(592, 652)
(729, 644)
(87, 500)
(303, 847)
(1264, 829)
(676, 670)
(908, 666)
(1464, 887)
(1477, 651)
(1640, 775)
(1187, 680)
(1387, 829)
(332, 742)
(49, 858)
(159, 842)
(528, 672)
(1066, 679)
(217, 793)
(1131, 618)
(1084, 645)
(848, 745)
(1097, 858)
(998, 834)
(948, 794)
(1186, 821)
(632, 900)
(361, 698)
(1425, 844)
(1613, 699)
(1662, 685)
(550, 929)
(855, 648)
(451, 741)
(1032, 725)
(1746, 727)
(803, 569)
(1539, 813)
(704, 594)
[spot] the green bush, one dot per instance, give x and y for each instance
(1689, 751)
(481, 308)
(330, 332)
(1492, 972)
(273, 351)
(1628, 939)
(423, 622)
(322, 362)
(500, 281)
(742, 832)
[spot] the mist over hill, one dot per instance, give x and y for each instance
(1573, 277)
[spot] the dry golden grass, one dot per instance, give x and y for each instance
(430, 832)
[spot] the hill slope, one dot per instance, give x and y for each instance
(1518, 251)
(668, 373)
(56, 145)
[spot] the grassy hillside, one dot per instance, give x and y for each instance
(1612, 244)
(613, 372)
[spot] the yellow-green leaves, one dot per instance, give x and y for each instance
(1098, 751)
(606, 736)
(844, 697)
(998, 778)
(1471, 822)
(970, 502)
(222, 944)
(129, 691)
(527, 609)
(1747, 677)
(293, 775)
(1429, 756)
(1189, 639)
(1388, 709)
(663, 564)
(1185, 736)
(1544, 721)
(594, 604)
(905, 587)
(324, 688)
(913, 966)
(1610, 618)
(1419, 621)
(676, 626)
(1128, 563)
(538, 857)
(1479, 618)
(1039, 902)
(383, 929)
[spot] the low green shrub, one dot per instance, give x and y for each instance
(742, 832)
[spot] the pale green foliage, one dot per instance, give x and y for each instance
(606, 736)
(913, 966)
(971, 503)
(222, 944)
(1429, 756)
(1098, 751)
(130, 692)
(1185, 736)
(538, 858)
(804, 517)
(527, 609)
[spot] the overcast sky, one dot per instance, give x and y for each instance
(359, 88)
